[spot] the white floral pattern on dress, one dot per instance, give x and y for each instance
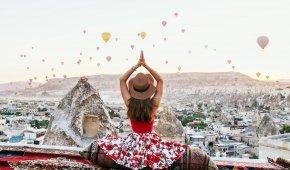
(137, 151)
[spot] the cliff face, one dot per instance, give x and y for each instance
(267, 127)
(169, 126)
(80, 118)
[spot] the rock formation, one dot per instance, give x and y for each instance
(169, 126)
(80, 118)
(267, 127)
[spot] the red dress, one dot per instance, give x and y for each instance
(141, 148)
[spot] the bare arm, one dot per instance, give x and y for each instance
(123, 84)
(159, 87)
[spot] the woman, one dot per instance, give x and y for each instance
(143, 148)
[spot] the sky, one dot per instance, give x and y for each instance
(229, 29)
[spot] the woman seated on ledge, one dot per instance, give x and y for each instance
(143, 148)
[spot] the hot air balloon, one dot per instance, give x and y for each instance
(164, 38)
(52, 69)
(79, 61)
(24, 55)
(98, 64)
(46, 77)
(35, 78)
(27, 68)
(91, 58)
(43, 60)
(182, 30)
(62, 63)
(263, 41)
(53, 75)
(116, 39)
(153, 45)
(166, 62)
(229, 61)
(176, 14)
(81, 53)
(142, 34)
(98, 48)
(163, 23)
(258, 74)
(233, 67)
(84, 31)
(108, 58)
(106, 36)
(64, 76)
(189, 51)
(132, 47)
(267, 77)
(205, 46)
(30, 80)
(179, 68)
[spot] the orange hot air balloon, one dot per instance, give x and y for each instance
(108, 58)
(164, 23)
(229, 61)
(258, 74)
(263, 41)
(106, 36)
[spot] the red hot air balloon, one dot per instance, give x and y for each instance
(263, 41)
(164, 23)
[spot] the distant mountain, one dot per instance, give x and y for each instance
(20, 85)
(60, 86)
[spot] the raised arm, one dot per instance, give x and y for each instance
(123, 83)
(159, 87)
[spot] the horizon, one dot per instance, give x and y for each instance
(202, 37)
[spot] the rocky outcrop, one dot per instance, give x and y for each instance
(80, 118)
(169, 126)
(267, 127)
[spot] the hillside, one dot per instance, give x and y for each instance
(174, 80)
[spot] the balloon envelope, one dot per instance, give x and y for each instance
(164, 23)
(258, 74)
(263, 41)
(108, 58)
(106, 36)
(142, 34)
